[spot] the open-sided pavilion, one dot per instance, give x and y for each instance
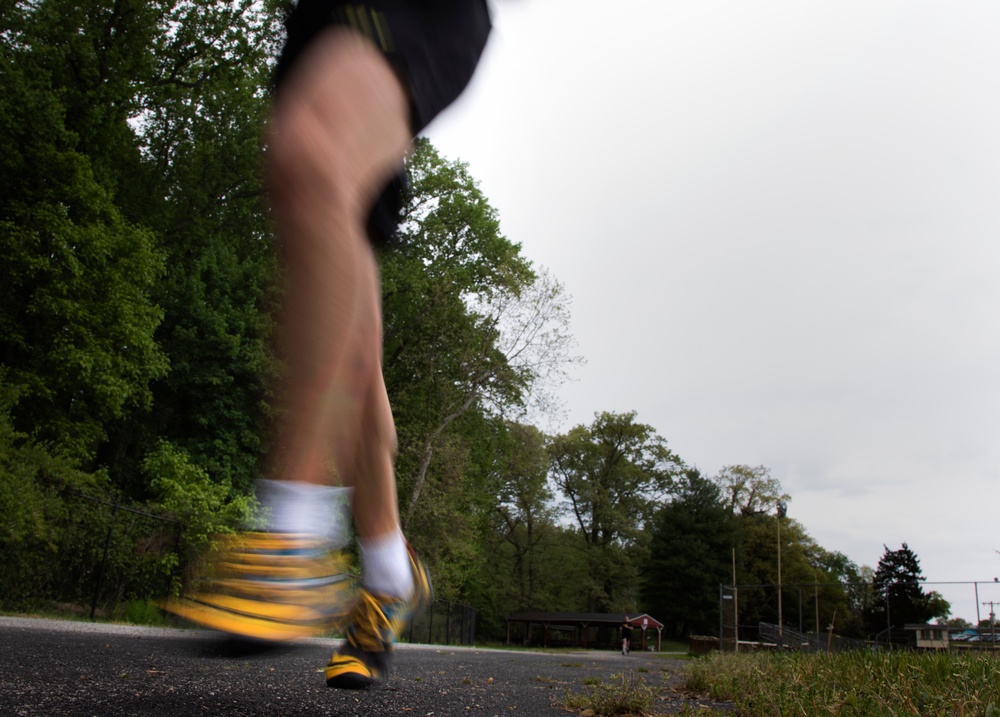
(584, 626)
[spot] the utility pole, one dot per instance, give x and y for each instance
(816, 596)
(888, 617)
(781, 512)
(736, 608)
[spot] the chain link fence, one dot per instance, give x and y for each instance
(103, 555)
(444, 623)
(803, 605)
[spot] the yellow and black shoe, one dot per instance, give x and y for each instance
(376, 621)
(269, 586)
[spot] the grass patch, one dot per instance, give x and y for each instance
(696, 711)
(140, 612)
(623, 694)
(856, 684)
(674, 646)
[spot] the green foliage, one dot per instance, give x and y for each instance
(856, 684)
(54, 532)
(612, 475)
(140, 612)
(469, 330)
(522, 509)
(199, 129)
(184, 489)
(76, 320)
(827, 585)
(749, 490)
(690, 555)
(34, 513)
(133, 223)
(897, 594)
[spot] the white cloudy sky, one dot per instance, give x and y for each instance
(779, 223)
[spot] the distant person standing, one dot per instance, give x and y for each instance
(356, 82)
(626, 636)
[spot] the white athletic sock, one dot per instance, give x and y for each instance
(385, 565)
(306, 508)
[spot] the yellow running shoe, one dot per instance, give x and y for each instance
(269, 586)
(363, 660)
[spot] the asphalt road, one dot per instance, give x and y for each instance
(94, 670)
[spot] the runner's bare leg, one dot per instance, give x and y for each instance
(340, 130)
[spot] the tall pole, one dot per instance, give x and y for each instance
(736, 608)
(782, 510)
(978, 619)
(816, 594)
(888, 616)
(780, 621)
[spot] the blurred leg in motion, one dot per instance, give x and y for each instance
(355, 83)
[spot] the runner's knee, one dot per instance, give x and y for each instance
(308, 162)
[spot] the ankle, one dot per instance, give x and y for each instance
(385, 565)
(296, 507)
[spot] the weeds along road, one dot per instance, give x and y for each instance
(85, 670)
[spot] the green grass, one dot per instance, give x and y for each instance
(857, 684)
(132, 612)
(623, 694)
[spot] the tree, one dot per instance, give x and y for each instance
(937, 606)
(76, 316)
(32, 478)
(749, 490)
(690, 556)
(138, 266)
(470, 329)
(198, 125)
(844, 592)
(611, 475)
(528, 561)
(817, 586)
(898, 598)
(523, 505)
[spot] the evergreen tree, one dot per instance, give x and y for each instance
(690, 556)
(898, 598)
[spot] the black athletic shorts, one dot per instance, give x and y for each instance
(434, 46)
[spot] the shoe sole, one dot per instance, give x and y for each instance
(346, 672)
(239, 624)
(261, 619)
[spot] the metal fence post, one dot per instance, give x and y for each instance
(104, 560)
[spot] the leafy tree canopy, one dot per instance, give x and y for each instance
(612, 474)
(690, 556)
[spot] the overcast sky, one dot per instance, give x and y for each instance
(779, 223)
